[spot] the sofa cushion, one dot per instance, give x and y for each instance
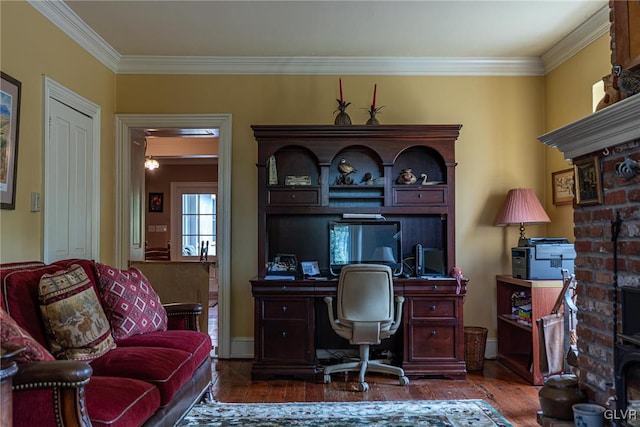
(130, 302)
(20, 297)
(197, 344)
(166, 368)
(75, 324)
(120, 402)
(10, 331)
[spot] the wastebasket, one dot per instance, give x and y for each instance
(475, 341)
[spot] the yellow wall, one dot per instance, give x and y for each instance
(568, 96)
(497, 150)
(32, 47)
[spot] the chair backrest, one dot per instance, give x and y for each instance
(365, 293)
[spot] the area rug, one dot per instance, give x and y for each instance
(416, 413)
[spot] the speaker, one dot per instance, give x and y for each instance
(419, 260)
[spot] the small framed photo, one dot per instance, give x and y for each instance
(10, 89)
(563, 187)
(155, 202)
(310, 268)
(588, 181)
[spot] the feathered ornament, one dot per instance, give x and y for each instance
(456, 273)
(627, 81)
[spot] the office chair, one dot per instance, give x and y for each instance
(365, 307)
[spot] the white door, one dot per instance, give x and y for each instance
(69, 186)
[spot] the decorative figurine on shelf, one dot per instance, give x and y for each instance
(345, 170)
(611, 95)
(627, 81)
(424, 178)
(367, 178)
(406, 177)
(373, 110)
(342, 118)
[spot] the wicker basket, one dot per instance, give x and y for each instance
(475, 340)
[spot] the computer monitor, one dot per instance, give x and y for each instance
(365, 242)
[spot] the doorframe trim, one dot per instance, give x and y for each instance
(124, 123)
(55, 91)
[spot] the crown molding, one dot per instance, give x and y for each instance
(68, 22)
(65, 19)
(331, 65)
(590, 30)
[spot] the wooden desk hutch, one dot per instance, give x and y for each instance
(291, 322)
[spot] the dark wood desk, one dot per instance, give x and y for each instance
(290, 318)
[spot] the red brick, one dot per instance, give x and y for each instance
(615, 197)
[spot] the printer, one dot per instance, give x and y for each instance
(542, 258)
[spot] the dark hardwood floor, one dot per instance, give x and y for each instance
(514, 398)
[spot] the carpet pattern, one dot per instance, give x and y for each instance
(416, 413)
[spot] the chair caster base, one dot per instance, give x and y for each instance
(327, 378)
(363, 386)
(404, 380)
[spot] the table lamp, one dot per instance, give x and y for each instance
(522, 207)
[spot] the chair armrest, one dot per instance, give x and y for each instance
(183, 316)
(56, 388)
(398, 315)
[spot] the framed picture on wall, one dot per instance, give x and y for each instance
(588, 181)
(155, 202)
(563, 187)
(9, 129)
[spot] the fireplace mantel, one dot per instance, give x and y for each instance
(613, 125)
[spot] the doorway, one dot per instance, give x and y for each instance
(129, 206)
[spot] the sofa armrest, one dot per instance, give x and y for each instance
(56, 388)
(183, 315)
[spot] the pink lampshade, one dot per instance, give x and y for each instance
(522, 207)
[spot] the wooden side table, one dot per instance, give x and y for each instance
(8, 368)
(518, 343)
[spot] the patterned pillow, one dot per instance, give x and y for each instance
(130, 302)
(75, 323)
(10, 331)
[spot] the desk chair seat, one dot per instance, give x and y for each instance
(366, 315)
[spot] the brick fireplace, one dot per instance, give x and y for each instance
(611, 135)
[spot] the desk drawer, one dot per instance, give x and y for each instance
(284, 309)
(420, 197)
(293, 197)
(424, 308)
(284, 341)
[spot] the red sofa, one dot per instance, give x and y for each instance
(149, 379)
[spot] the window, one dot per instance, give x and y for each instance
(194, 218)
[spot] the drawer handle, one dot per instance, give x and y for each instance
(433, 333)
(293, 196)
(284, 334)
(435, 287)
(419, 195)
(433, 307)
(284, 288)
(284, 308)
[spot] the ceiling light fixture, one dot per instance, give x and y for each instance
(151, 164)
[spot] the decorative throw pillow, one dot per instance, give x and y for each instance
(74, 320)
(10, 331)
(130, 302)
